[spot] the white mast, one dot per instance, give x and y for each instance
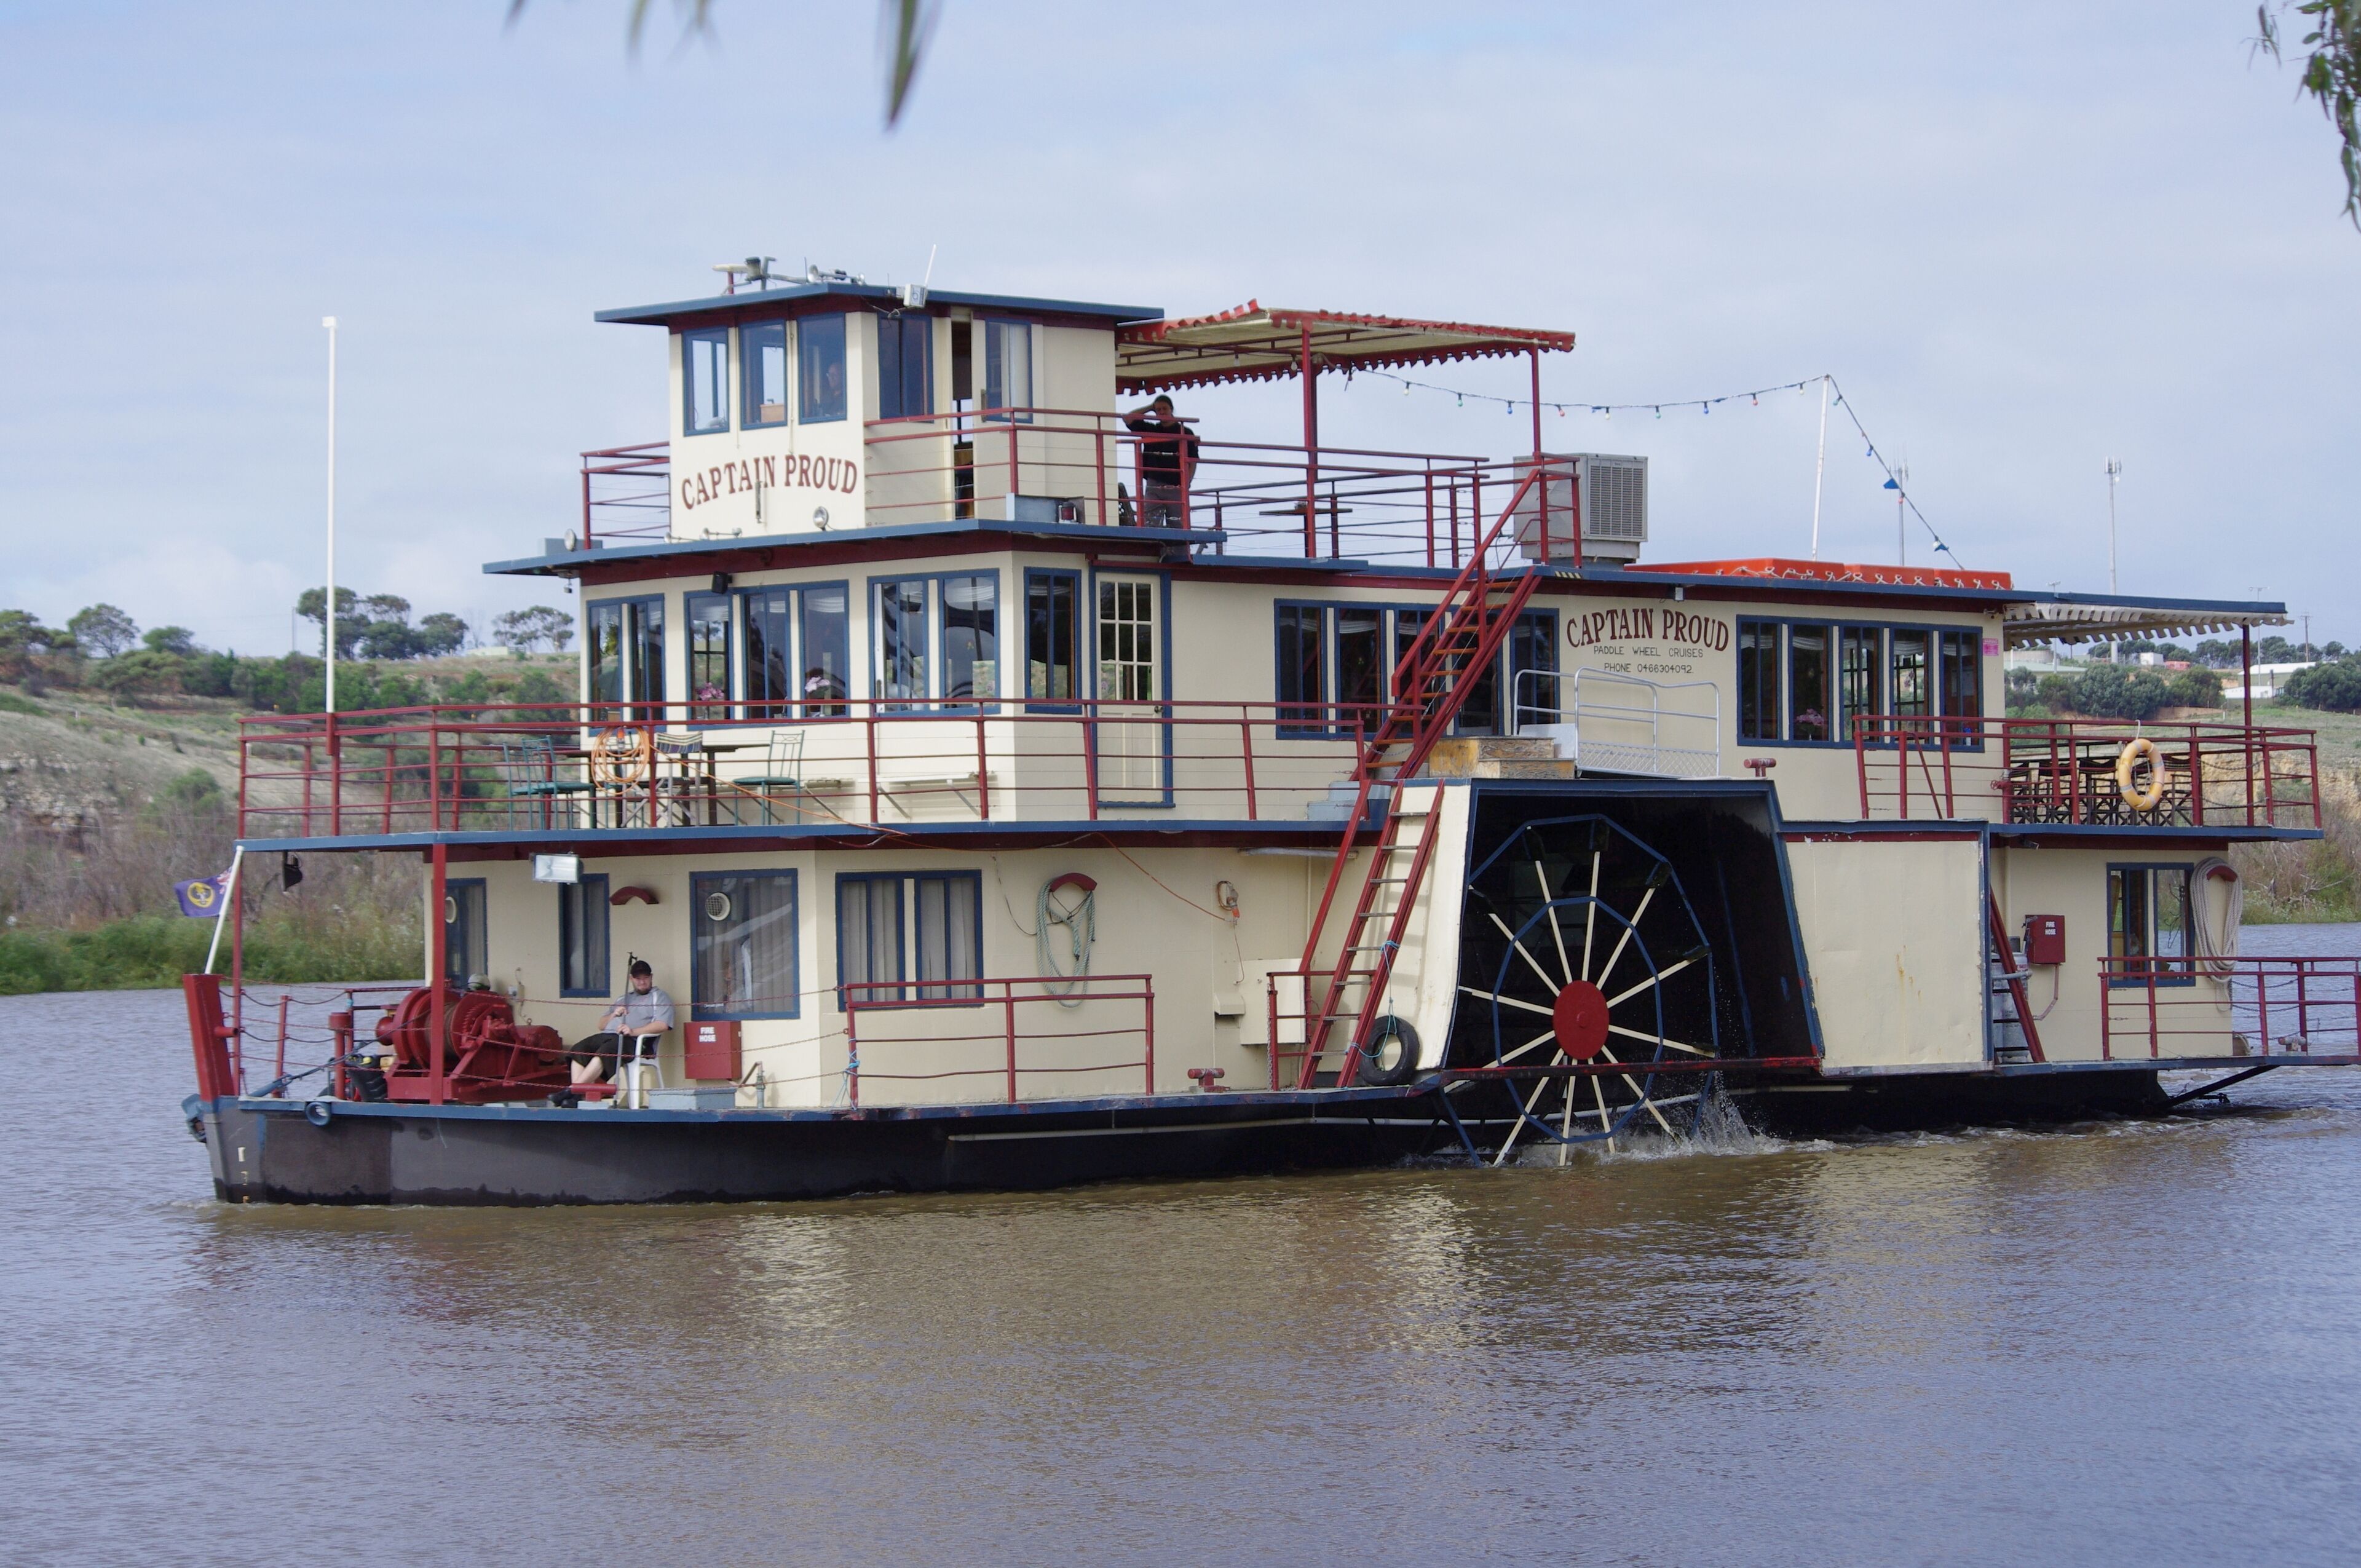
(329, 609)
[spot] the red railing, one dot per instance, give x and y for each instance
(869, 762)
(990, 1008)
(2230, 1008)
(1038, 465)
(2063, 771)
(627, 492)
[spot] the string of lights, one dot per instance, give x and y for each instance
(1753, 398)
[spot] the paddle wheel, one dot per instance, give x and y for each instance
(1584, 948)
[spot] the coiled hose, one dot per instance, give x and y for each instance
(2215, 949)
(1079, 921)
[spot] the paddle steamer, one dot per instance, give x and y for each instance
(1009, 795)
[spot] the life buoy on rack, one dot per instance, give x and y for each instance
(620, 756)
(2138, 751)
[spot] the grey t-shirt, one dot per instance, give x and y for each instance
(646, 1014)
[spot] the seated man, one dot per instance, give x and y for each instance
(645, 1015)
(1168, 459)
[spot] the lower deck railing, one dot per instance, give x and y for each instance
(2223, 1008)
(1040, 1026)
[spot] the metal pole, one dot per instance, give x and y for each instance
(237, 857)
(1819, 475)
(1311, 451)
(329, 608)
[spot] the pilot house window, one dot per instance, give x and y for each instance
(819, 358)
(705, 380)
(763, 347)
(905, 357)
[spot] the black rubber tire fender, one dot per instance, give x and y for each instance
(1391, 1055)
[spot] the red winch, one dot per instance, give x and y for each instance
(488, 1055)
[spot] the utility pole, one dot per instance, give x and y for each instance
(2114, 472)
(328, 609)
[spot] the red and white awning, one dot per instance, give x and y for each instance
(1252, 344)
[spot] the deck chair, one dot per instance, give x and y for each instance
(529, 768)
(782, 772)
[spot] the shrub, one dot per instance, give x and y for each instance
(2110, 691)
(2054, 693)
(2337, 687)
(2196, 689)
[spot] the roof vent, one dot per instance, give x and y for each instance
(1608, 493)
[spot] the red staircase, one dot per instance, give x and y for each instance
(1463, 635)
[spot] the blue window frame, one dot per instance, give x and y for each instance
(906, 354)
(2149, 924)
(1860, 675)
(712, 679)
(798, 650)
(705, 380)
(627, 650)
(1810, 693)
(868, 936)
(1302, 677)
(1758, 680)
(820, 358)
(1053, 640)
(582, 968)
(894, 927)
(936, 639)
(1008, 370)
(742, 947)
(762, 375)
(1532, 669)
(463, 930)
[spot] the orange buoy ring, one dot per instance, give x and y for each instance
(621, 756)
(2140, 751)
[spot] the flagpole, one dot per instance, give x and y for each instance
(1820, 468)
(330, 608)
(229, 891)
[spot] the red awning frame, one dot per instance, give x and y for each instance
(1252, 344)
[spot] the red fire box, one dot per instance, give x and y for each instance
(2045, 939)
(711, 1051)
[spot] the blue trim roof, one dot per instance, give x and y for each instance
(546, 565)
(756, 299)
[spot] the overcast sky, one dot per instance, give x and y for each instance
(2025, 238)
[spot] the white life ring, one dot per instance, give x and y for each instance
(2138, 751)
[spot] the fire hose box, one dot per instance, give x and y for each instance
(2045, 939)
(712, 1051)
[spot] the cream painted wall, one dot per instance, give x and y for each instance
(1895, 934)
(1195, 961)
(2073, 883)
(773, 479)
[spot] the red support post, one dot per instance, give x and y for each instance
(1148, 1013)
(1430, 516)
(1535, 354)
(1245, 750)
(206, 1037)
(2106, 1014)
(237, 975)
(1270, 1040)
(982, 778)
(1098, 445)
(1008, 1003)
(869, 722)
(279, 1067)
(2151, 1011)
(438, 926)
(434, 777)
(1090, 757)
(335, 779)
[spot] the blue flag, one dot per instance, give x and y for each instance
(202, 897)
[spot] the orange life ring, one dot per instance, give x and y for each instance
(621, 756)
(2138, 751)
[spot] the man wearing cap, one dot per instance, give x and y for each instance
(641, 1018)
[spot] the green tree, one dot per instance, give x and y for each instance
(2111, 691)
(2337, 687)
(311, 604)
(102, 632)
(441, 632)
(23, 639)
(170, 640)
(143, 672)
(2330, 72)
(521, 631)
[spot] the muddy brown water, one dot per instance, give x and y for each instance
(2119, 1342)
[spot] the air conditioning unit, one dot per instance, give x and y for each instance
(1607, 495)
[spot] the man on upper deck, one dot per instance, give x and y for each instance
(1168, 457)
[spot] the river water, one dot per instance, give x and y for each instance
(2124, 1342)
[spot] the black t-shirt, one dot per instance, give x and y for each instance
(1159, 455)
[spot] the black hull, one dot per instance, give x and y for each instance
(272, 1151)
(498, 1156)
